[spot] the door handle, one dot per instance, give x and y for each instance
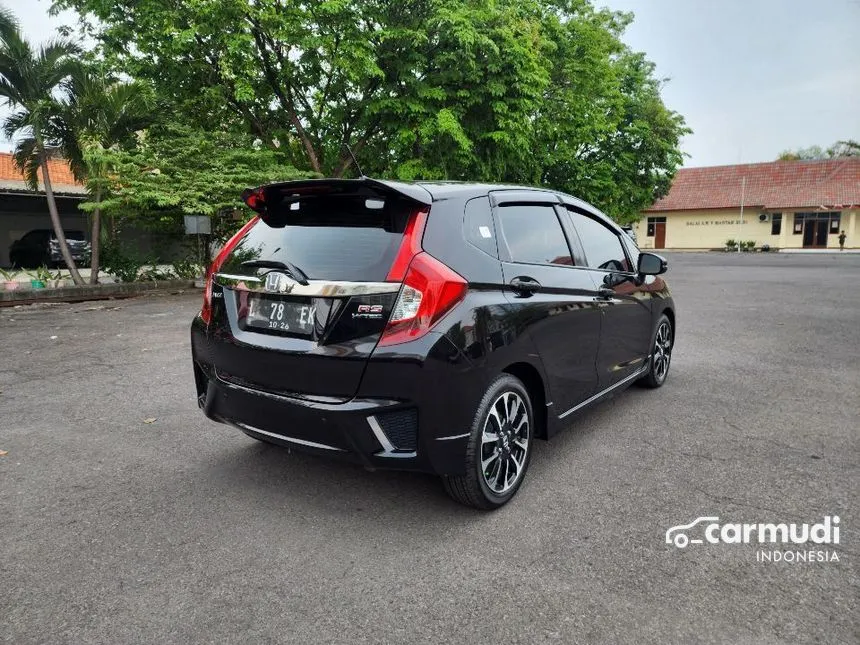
(525, 286)
(605, 294)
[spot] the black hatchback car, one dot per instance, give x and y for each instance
(438, 327)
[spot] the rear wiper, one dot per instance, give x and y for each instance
(295, 272)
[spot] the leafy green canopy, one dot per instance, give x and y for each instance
(848, 148)
(531, 91)
(177, 170)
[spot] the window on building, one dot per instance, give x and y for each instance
(651, 222)
(776, 224)
(798, 223)
(832, 217)
(533, 235)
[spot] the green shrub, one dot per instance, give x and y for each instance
(187, 269)
(119, 263)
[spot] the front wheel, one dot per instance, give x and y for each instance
(661, 354)
(499, 449)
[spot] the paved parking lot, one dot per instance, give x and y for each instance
(116, 530)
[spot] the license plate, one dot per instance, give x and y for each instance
(281, 315)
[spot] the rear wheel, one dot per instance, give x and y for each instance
(661, 354)
(500, 446)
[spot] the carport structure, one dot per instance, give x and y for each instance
(23, 210)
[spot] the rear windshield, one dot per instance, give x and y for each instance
(328, 238)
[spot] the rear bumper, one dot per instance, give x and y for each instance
(412, 411)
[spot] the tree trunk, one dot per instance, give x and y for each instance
(55, 220)
(96, 238)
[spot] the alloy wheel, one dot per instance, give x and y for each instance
(662, 351)
(505, 442)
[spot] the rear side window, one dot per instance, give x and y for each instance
(602, 246)
(478, 226)
(533, 235)
(329, 237)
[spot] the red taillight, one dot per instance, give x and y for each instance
(410, 246)
(226, 250)
(429, 291)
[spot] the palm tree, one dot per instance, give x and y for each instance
(28, 80)
(98, 114)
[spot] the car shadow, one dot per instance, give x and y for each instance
(267, 475)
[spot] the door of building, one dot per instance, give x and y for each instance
(815, 233)
(660, 235)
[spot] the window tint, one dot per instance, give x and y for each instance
(478, 226)
(329, 238)
(534, 235)
(632, 251)
(602, 246)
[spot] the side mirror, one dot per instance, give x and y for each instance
(652, 264)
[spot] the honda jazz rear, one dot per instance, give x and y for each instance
(373, 321)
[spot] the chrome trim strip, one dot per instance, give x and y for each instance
(314, 288)
(387, 447)
(454, 436)
(635, 374)
(268, 395)
(301, 442)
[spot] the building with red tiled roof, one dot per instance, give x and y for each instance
(786, 204)
(23, 210)
(62, 179)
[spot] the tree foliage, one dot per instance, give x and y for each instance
(847, 148)
(177, 170)
(29, 78)
(530, 91)
(98, 112)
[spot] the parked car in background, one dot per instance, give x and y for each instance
(439, 327)
(40, 247)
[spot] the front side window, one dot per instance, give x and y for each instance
(602, 246)
(533, 235)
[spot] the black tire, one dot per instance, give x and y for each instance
(474, 489)
(662, 344)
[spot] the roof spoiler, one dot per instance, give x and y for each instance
(280, 193)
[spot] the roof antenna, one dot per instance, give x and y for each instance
(361, 175)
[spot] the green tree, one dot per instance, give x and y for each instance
(28, 80)
(847, 148)
(176, 170)
(97, 114)
(498, 90)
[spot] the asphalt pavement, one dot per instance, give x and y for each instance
(127, 517)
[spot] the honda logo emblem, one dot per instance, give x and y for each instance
(279, 282)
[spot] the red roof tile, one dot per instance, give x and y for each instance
(827, 184)
(59, 169)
